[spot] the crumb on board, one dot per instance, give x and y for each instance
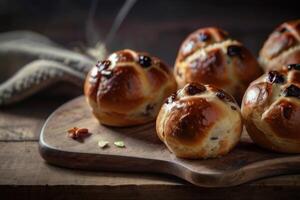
(119, 144)
(102, 143)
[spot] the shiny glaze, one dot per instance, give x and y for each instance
(193, 123)
(272, 111)
(284, 120)
(191, 120)
(119, 92)
(227, 65)
(245, 66)
(200, 39)
(259, 137)
(124, 56)
(93, 80)
(156, 78)
(257, 95)
(282, 47)
(211, 70)
(284, 37)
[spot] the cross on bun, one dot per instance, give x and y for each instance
(271, 109)
(199, 121)
(282, 47)
(128, 88)
(209, 56)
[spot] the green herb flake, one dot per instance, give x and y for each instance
(102, 143)
(119, 144)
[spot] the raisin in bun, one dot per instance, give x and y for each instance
(282, 47)
(209, 56)
(199, 121)
(271, 109)
(128, 88)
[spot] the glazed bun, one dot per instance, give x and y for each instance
(199, 121)
(209, 56)
(282, 47)
(271, 109)
(128, 88)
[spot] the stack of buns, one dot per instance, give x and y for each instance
(197, 106)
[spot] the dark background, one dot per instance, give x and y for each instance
(154, 26)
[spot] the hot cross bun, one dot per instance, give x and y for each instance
(128, 88)
(209, 56)
(199, 121)
(271, 109)
(282, 47)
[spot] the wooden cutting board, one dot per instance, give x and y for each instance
(145, 153)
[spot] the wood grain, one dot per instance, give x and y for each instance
(26, 176)
(145, 153)
(23, 121)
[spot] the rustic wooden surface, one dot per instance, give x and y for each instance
(144, 152)
(23, 122)
(25, 175)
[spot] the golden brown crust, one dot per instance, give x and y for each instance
(199, 121)
(284, 120)
(120, 93)
(282, 47)
(191, 121)
(271, 109)
(211, 70)
(201, 38)
(128, 88)
(208, 56)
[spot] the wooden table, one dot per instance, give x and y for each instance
(24, 174)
